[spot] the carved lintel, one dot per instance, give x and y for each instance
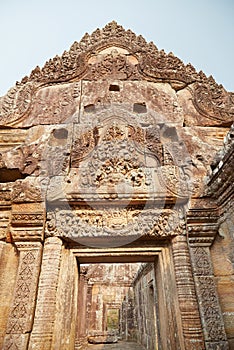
(20, 319)
(135, 221)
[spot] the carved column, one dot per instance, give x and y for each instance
(22, 311)
(211, 315)
(191, 324)
(43, 327)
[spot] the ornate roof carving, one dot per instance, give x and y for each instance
(209, 98)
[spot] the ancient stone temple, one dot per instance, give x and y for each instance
(116, 202)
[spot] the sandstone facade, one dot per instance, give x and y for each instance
(115, 153)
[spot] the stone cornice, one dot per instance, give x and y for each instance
(202, 221)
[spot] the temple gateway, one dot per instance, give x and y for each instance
(116, 202)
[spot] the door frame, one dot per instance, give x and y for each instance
(169, 326)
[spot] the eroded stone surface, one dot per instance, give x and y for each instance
(116, 143)
(119, 346)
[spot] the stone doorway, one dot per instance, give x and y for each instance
(156, 309)
(117, 306)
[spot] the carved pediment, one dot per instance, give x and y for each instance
(118, 53)
(117, 161)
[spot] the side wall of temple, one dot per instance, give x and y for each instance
(222, 250)
(145, 305)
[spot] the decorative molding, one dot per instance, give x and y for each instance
(26, 226)
(4, 222)
(202, 221)
(201, 241)
(148, 63)
(27, 219)
(201, 261)
(210, 311)
(20, 318)
(26, 234)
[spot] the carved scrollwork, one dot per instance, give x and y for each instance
(16, 102)
(174, 180)
(26, 191)
(153, 143)
(82, 146)
(210, 309)
(113, 65)
(109, 157)
(212, 100)
(166, 67)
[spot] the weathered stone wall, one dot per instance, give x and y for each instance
(145, 307)
(222, 253)
(9, 259)
(220, 186)
(127, 317)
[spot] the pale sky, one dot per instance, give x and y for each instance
(197, 31)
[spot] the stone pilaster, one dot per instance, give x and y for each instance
(81, 332)
(191, 324)
(211, 315)
(2, 244)
(23, 304)
(43, 327)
